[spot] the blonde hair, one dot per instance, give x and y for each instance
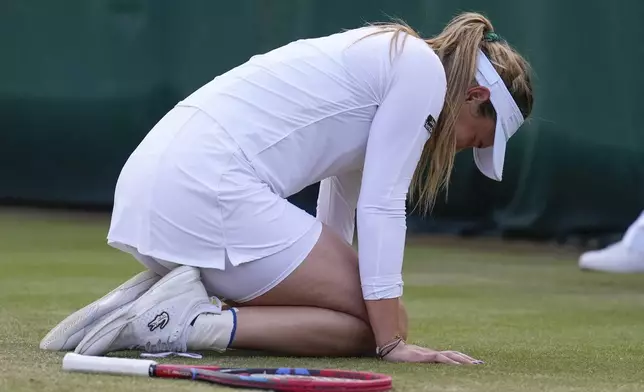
(457, 47)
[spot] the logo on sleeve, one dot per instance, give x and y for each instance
(430, 123)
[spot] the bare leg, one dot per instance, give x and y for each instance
(302, 331)
(317, 310)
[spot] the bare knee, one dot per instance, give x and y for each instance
(361, 337)
(328, 278)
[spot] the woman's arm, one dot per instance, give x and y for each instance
(396, 139)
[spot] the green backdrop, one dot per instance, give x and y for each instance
(82, 81)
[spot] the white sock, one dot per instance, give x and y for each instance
(213, 331)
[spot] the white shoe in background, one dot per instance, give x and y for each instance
(616, 258)
(68, 333)
(156, 322)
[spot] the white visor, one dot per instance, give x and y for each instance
(508, 119)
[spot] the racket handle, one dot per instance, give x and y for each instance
(88, 364)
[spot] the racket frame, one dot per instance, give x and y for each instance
(252, 378)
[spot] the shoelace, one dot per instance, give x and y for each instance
(168, 354)
(161, 346)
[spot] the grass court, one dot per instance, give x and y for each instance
(537, 321)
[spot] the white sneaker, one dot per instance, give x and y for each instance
(616, 258)
(156, 322)
(69, 332)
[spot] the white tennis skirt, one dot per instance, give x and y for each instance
(188, 196)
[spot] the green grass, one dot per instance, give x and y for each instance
(539, 323)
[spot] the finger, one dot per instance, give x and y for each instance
(458, 357)
(465, 356)
(441, 358)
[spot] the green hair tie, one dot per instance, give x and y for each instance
(492, 37)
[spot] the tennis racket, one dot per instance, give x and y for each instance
(276, 379)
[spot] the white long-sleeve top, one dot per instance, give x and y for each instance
(350, 113)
